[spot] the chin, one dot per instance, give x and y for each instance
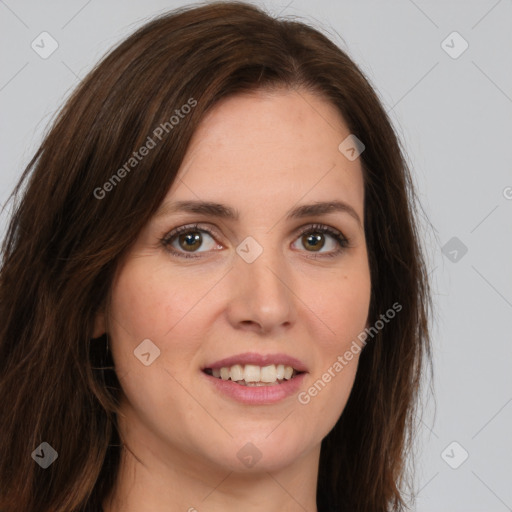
(253, 453)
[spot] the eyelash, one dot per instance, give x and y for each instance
(340, 239)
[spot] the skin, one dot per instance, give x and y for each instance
(262, 153)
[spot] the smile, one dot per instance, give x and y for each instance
(253, 375)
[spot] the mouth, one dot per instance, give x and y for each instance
(251, 375)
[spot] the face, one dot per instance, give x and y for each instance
(262, 287)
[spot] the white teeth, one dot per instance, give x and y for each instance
(268, 373)
(236, 372)
(253, 375)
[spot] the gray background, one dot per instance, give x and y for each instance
(454, 116)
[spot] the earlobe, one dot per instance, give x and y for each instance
(99, 325)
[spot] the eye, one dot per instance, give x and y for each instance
(185, 241)
(314, 237)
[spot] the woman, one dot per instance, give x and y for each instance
(213, 295)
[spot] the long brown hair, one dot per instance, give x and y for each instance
(72, 221)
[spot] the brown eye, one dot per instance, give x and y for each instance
(315, 241)
(322, 240)
(186, 241)
(190, 241)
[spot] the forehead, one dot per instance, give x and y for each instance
(270, 145)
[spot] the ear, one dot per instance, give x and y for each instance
(99, 325)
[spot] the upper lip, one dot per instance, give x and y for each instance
(259, 360)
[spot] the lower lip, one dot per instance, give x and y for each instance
(257, 395)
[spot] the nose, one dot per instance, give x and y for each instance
(261, 293)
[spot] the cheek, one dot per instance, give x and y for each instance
(343, 306)
(144, 308)
(148, 302)
(151, 301)
(147, 305)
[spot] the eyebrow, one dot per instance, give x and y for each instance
(222, 211)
